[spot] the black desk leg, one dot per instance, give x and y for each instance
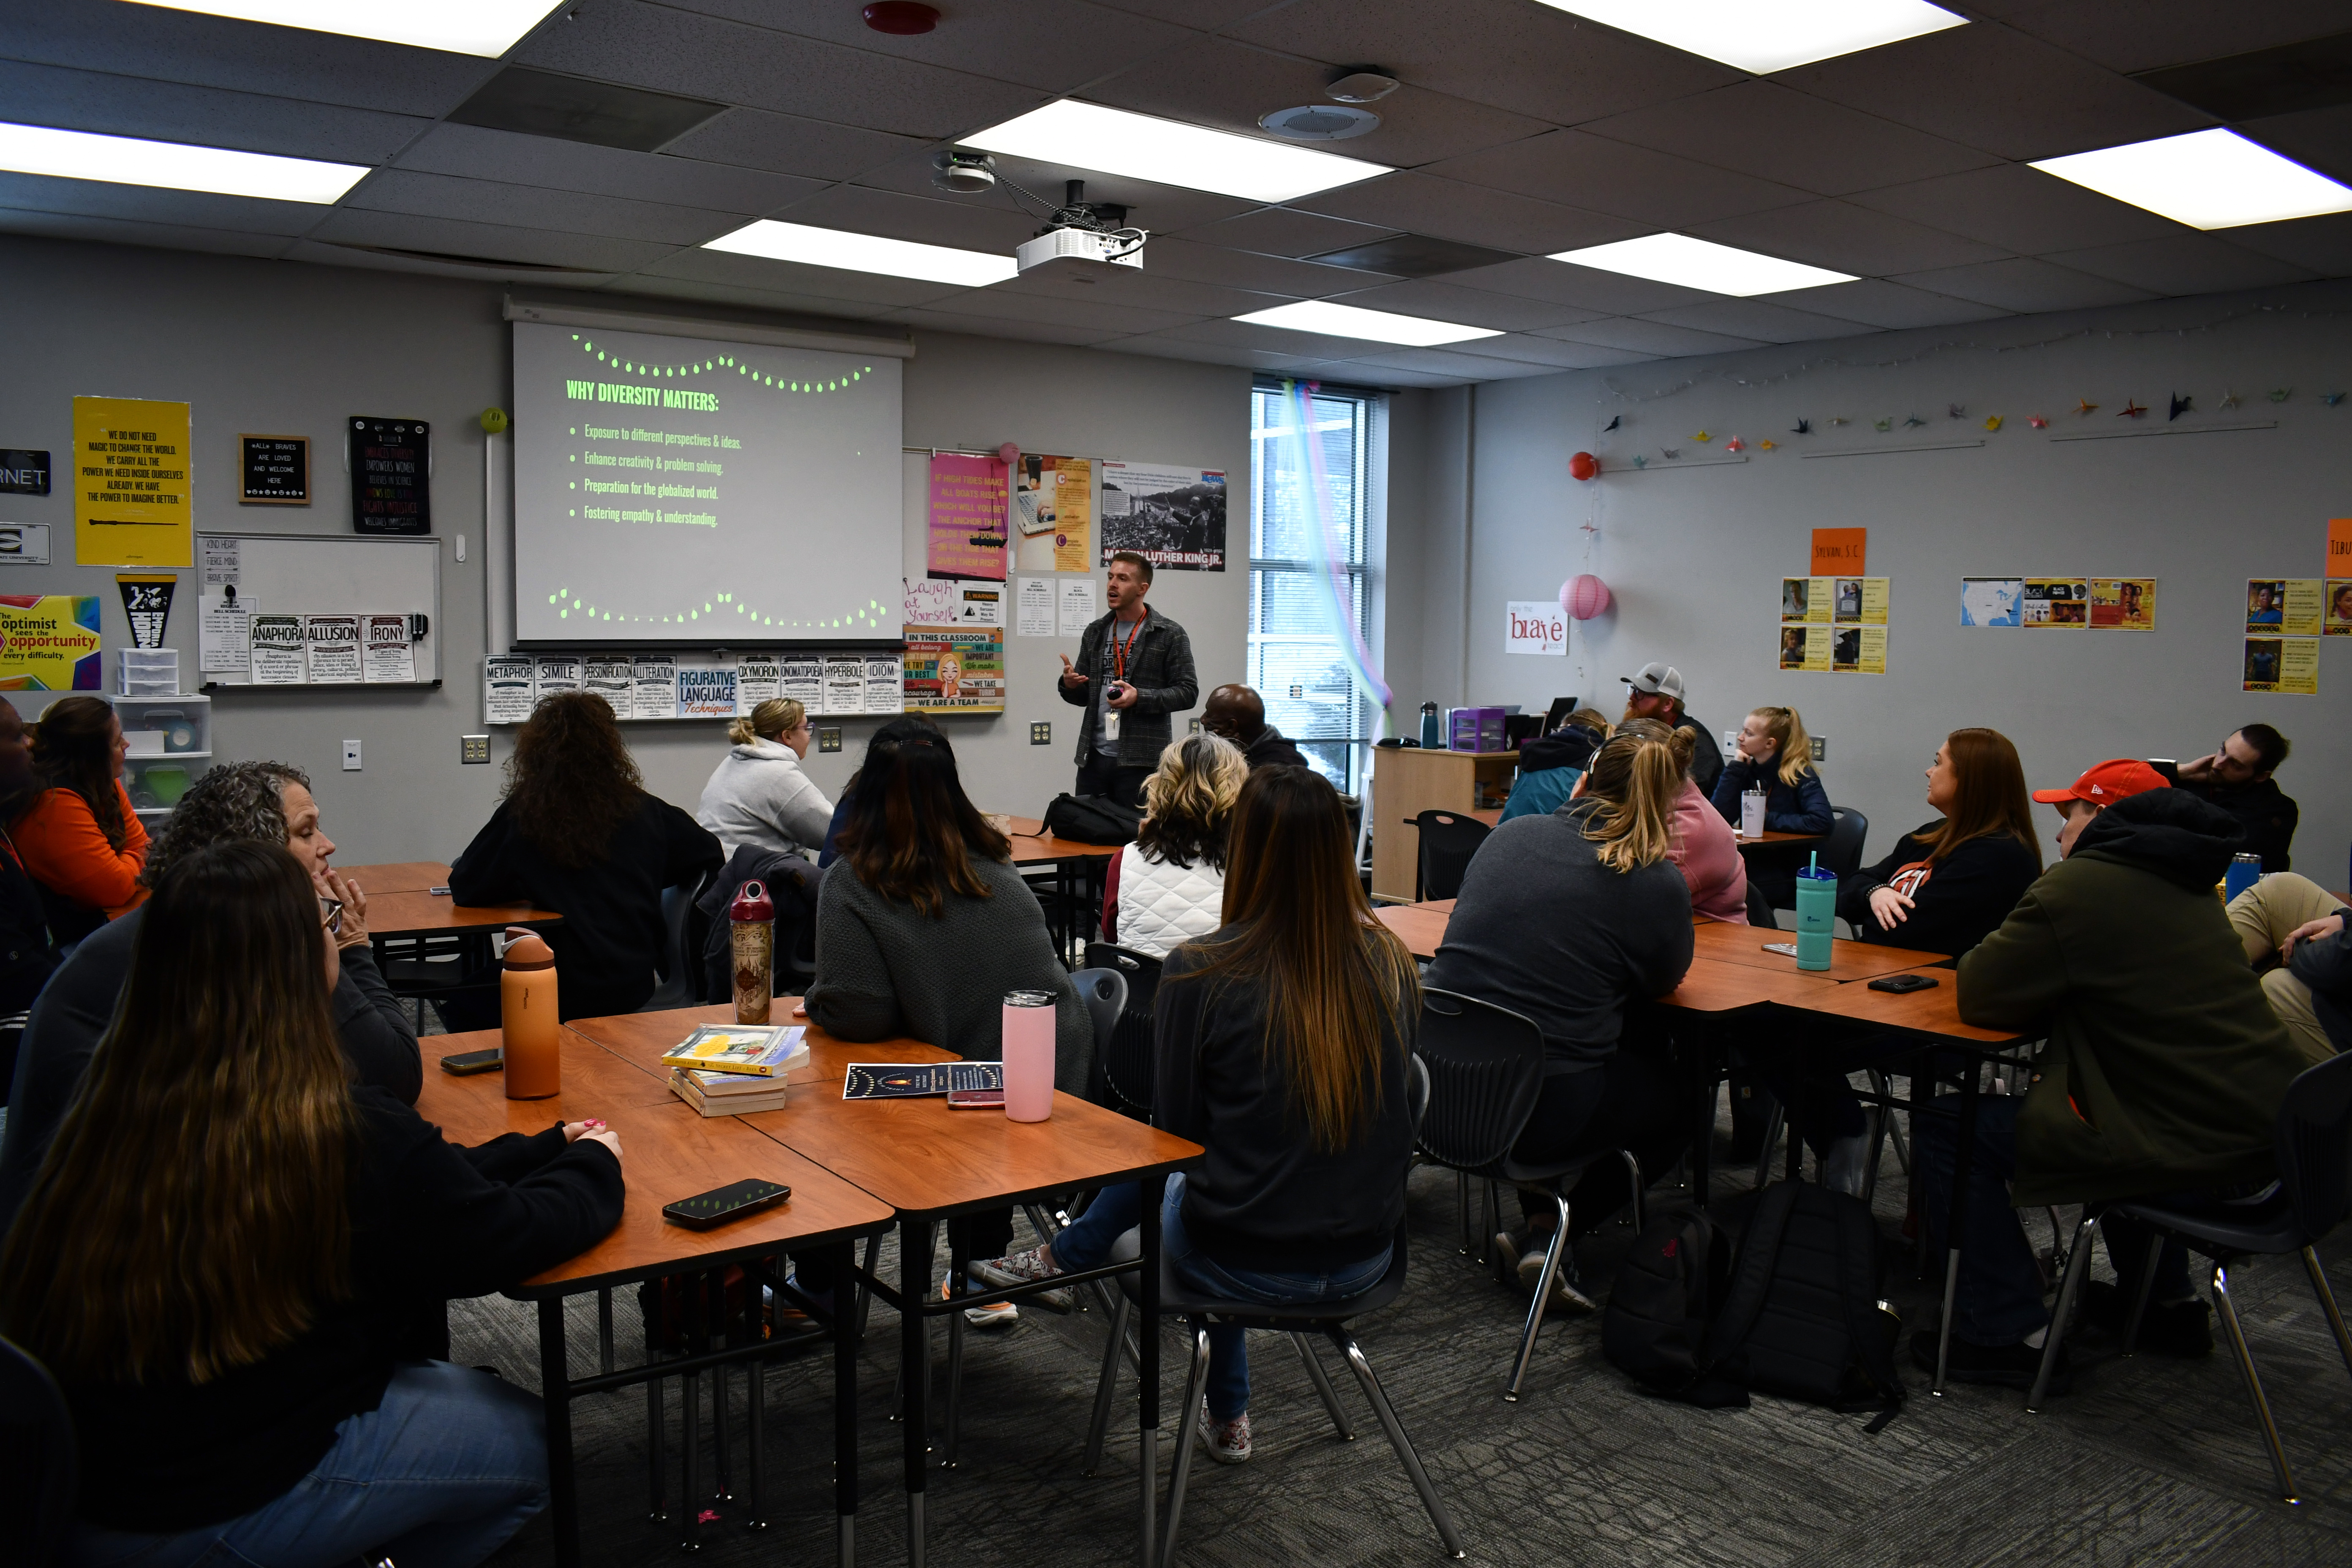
(1963, 1155)
(1148, 1371)
(845, 1413)
(915, 1371)
(555, 1385)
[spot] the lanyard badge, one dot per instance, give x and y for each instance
(1111, 715)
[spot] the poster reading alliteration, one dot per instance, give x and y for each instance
(1052, 514)
(2123, 603)
(131, 506)
(1173, 518)
(966, 535)
(48, 642)
(954, 669)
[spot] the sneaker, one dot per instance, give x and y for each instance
(1024, 1268)
(1507, 1247)
(1228, 1442)
(988, 1315)
(1567, 1290)
(2182, 1329)
(2011, 1366)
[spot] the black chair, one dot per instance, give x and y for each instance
(1448, 840)
(1841, 851)
(1486, 1067)
(38, 1467)
(1125, 1050)
(686, 930)
(2314, 1165)
(1179, 1298)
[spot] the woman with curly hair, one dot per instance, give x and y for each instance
(1168, 886)
(78, 836)
(578, 833)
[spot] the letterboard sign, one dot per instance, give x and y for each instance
(275, 470)
(392, 465)
(24, 473)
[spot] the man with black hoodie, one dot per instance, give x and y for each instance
(2237, 778)
(2162, 1077)
(1237, 713)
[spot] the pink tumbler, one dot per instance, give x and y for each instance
(1029, 1055)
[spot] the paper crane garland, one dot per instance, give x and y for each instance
(2040, 422)
(2281, 393)
(1702, 437)
(1915, 419)
(2086, 409)
(1734, 445)
(1671, 452)
(1958, 411)
(1992, 422)
(1640, 461)
(2229, 399)
(1883, 425)
(1840, 419)
(2331, 398)
(1802, 427)
(1615, 420)
(1767, 446)
(2133, 409)
(2180, 406)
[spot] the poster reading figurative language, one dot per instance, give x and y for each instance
(1173, 518)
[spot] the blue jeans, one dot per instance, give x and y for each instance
(1117, 1210)
(438, 1476)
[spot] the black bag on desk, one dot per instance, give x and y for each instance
(1093, 819)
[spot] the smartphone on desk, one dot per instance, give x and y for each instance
(972, 1084)
(467, 1062)
(720, 1204)
(1900, 983)
(438, 892)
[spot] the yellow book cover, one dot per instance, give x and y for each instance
(757, 1051)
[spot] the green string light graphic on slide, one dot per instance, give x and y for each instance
(870, 615)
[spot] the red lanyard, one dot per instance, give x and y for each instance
(1118, 649)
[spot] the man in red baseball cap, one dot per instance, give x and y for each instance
(2102, 785)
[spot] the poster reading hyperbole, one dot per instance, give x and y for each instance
(1173, 518)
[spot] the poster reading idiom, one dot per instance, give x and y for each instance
(131, 483)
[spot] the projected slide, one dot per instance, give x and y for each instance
(679, 492)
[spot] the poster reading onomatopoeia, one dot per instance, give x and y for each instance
(954, 669)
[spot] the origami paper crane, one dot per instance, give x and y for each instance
(2231, 399)
(1766, 446)
(1702, 435)
(1805, 427)
(1734, 445)
(1885, 424)
(1671, 452)
(2180, 406)
(2088, 407)
(1615, 420)
(1958, 411)
(2038, 421)
(2281, 393)
(1992, 422)
(1915, 419)
(2132, 410)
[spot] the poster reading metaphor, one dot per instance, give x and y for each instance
(2338, 623)
(1535, 626)
(2123, 603)
(1807, 599)
(2056, 601)
(131, 506)
(390, 654)
(705, 691)
(49, 642)
(277, 650)
(508, 688)
(1805, 646)
(966, 536)
(1992, 601)
(2285, 665)
(655, 677)
(1859, 601)
(1052, 514)
(954, 669)
(1173, 518)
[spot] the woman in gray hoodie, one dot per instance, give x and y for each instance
(757, 794)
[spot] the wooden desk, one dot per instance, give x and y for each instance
(638, 1040)
(1772, 836)
(1742, 944)
(1078, 876)
(1407, 780)
(1422, 927)
(1032, 846)
(669, 1151)
(398, 876)
(411, 915)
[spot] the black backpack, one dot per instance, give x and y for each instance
(1093, 819)
(1800, 1315)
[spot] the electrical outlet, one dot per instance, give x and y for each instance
(829, 740)
(1821, 748)
(1195, 729)
(351, 756)
(472, 749)
(1041, 733)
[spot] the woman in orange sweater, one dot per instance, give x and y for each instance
(80, 839)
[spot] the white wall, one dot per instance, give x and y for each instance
(293, 349)
(1694, 557)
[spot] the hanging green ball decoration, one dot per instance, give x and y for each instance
(494, 421)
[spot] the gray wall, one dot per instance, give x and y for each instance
(293, 349)
(1694, 557)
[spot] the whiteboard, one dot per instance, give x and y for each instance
(336, 574)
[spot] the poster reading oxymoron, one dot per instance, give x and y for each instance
(1173, 518)
(48, 642)
(954, 669)
(131, 506)
(967, 517)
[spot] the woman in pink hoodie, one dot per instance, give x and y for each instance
(1703, 846)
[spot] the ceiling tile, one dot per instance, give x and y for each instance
(818, 310)
(525, 206)
(644, 45)
(142, 204)
(1052, 45)
(1876, 302)
(945, 221)
(28, 223)
(1453, 362)
(790, 146)
(1277, 340)
(2322, 244)
(1450, 209)
(732, 270)
(1142, 287)
(1650, 190)
(1588, 288)
(470, 152)
(1762, 129)
(2321, 138)
(1530, 60)
(1286, 231)
(1207, 353)
(1556, 354)
(423, 264)
(1774, 323)
(2025, 284)
(1846, 238)
(2184, 263)
(1226, 85)
(170, 111)
(1169, 255)
(1987, 86)
(939, 321)
(490, 241)
(1160, 209)
(1649, 337)
(2018, 208)
(1098, 318)
(2173, 32)
(1467, 307)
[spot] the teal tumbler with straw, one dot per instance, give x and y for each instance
(1816, 910)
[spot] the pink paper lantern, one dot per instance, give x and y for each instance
(1584, 596)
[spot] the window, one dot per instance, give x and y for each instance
(1298, 656)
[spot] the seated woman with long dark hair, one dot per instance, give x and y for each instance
(1281, 1047)
(578, 833)
(76, 833)
(228, 1246)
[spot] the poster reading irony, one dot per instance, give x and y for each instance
(1173, 518)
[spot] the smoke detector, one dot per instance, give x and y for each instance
(965, 174)
(1321, 122)
(1362, 87)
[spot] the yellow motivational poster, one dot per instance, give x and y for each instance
(2299, 607)
(2298, 673)
(132, 505)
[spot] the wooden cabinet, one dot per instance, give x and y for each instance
(1408, 780)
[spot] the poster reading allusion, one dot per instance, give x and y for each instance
(954, 669)
(1173, 518)
(2338, 621)
(2287, 665)
(131, 506)
(966, 536)
(2056, 601)
(1052, 514)
(2123, 603)
(1992, 601)
(48, 642)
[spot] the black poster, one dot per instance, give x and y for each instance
(275, 470)
(391, 463)
(24, 473)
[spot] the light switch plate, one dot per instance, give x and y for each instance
(1041, 733)
(829, 740)
(473, 748)
(1821, 748)
(1730, 744)
(351, 756)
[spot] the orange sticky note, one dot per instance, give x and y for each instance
(2339, 547)
(1838, 551)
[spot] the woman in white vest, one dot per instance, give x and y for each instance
(1168, 886)
(757, 794)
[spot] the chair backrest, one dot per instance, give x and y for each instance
(1125, 1051)
(2314, 1145)
(1842, 852)
(1448, 841)
(37, 1460)
(1104, 991)
(1486, 1068)
(1416, 1089)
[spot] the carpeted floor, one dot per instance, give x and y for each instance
(2148, 1461)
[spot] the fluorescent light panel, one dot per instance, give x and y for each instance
(865, 253)
(1765, 36)
(1113, 141)
(2206, 179)
(172, 165)
(485, 27)
(1702, 263)
(1336, 321)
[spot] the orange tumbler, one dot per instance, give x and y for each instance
(527, 1016)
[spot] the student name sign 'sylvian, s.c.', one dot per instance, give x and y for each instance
(1535, 626)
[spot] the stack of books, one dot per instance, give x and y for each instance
(732, 1069)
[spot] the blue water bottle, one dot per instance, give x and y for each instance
(1816, 913)
(2245, 870)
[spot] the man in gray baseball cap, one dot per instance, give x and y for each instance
(1657, 693)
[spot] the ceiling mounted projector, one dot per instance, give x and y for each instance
(1081, 230)
(1362, 87)
(965, 174)
(1321, 122)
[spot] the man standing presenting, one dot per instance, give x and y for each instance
(2237, 778)
(1237, 713)
(1134, 669)
(1657, 693)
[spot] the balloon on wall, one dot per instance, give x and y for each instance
(1583, 465)
(1584, 596)
(1009, 453)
